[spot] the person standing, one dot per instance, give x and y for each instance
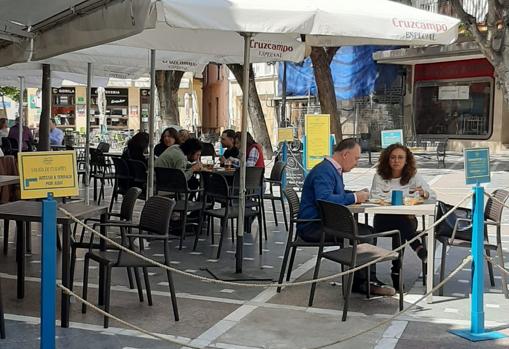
(325, 182)
(4, 128)
(56, 135)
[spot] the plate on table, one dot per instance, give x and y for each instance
(414, 201)
(381, 202)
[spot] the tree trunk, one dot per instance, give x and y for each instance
(3, 103)
(260, 132)
(167, 83)
(326, 94)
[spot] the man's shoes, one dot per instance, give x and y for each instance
(376, 289)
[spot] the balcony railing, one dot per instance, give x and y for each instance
(477, 8)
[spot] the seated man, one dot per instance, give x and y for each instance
(184, 157)
(325, 182)
(56, 135)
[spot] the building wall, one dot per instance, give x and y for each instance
(215, 99)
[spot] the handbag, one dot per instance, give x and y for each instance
(446, 227)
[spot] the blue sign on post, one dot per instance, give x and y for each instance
(477, 171)
(389, 137)
(477, 165)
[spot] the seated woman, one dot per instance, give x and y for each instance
(136, 148)
(254, 152)
(397, 171)
(169, 137)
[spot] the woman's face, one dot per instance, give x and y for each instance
(168, 139)
(397, 159)
(237, 143)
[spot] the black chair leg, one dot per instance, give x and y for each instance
(72, 266)
(274, 211)
(28, 237)
(347, 296)
(6, 236)
(173, 295)
(401, 284)
(260, 233)
(490, 269)
(283, 266)
(130, 278)
(290, 265)
(147, 286)
(2, 320)
(85, 283)
(182, 228)
(224, 227)
(284, 212)
(138, 284)
(315, 276)
(107, 293)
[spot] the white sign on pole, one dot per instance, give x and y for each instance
(453, 92)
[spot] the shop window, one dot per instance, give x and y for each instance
(454, 108)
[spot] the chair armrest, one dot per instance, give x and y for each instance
(310, 220)
(496, 224)
(114, 214)
(395, 233)
(121, 224)
(456, 226)
(148, 236)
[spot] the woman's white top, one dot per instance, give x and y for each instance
(382, 188)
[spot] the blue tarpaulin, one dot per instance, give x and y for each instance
(354, 72)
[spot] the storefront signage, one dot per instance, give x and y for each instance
(64, 90)
(285, 134)
(122, 101)
(111, 91)
(477, 165)
(389, 137)
(318, 144)
(47, 172)
(453, 92)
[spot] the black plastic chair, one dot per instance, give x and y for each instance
(338, 222)
(7, 147)
(123, 179)
(174, 183)
(441, 153)
(154, 225)
(276, 180)
(124, 215)
(99, 170)
(103, 147)
(456, 231)
(208, 150)
(216, 190)
(138, 174)
(294, 241)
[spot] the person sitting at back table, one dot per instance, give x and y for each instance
(325, 182)
(27, 137)
(4, 129)
(137, 147)
(56, 135)
(254, 151)
(228, 142)
(181, 156)
(184, 135)
(169, 137)
(397, 170)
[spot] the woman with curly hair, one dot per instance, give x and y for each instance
(397, 170)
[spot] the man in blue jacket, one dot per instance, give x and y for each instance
(325, 182)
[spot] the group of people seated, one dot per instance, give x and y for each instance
(396, 170)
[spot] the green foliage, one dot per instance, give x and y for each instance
(11, 92)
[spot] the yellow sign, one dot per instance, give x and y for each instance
(317, 128)
(41, 173)
(285, 134)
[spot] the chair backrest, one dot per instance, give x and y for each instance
(215, 186)
(338, 221)
(277, 171)
(103, 147)
(171, 180)
(156, 214)
(293, 202)
(494, 208)
(97, 158)
(254, 179)
(7, 146)
(138, 170)
(128, 202)
(121, 168)
(208, 150)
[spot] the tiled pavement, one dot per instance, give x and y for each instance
(225, 316)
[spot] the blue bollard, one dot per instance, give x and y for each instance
(477, 331)
(48, 272)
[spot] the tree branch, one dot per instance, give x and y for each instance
(331, 52)
(472, 24)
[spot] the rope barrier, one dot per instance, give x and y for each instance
(442, 283)
(492, 261)
(286, 284)
(341, 340)
(113, 317)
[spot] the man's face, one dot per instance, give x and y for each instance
(195, 156)
(226, 141)
(350, 158)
